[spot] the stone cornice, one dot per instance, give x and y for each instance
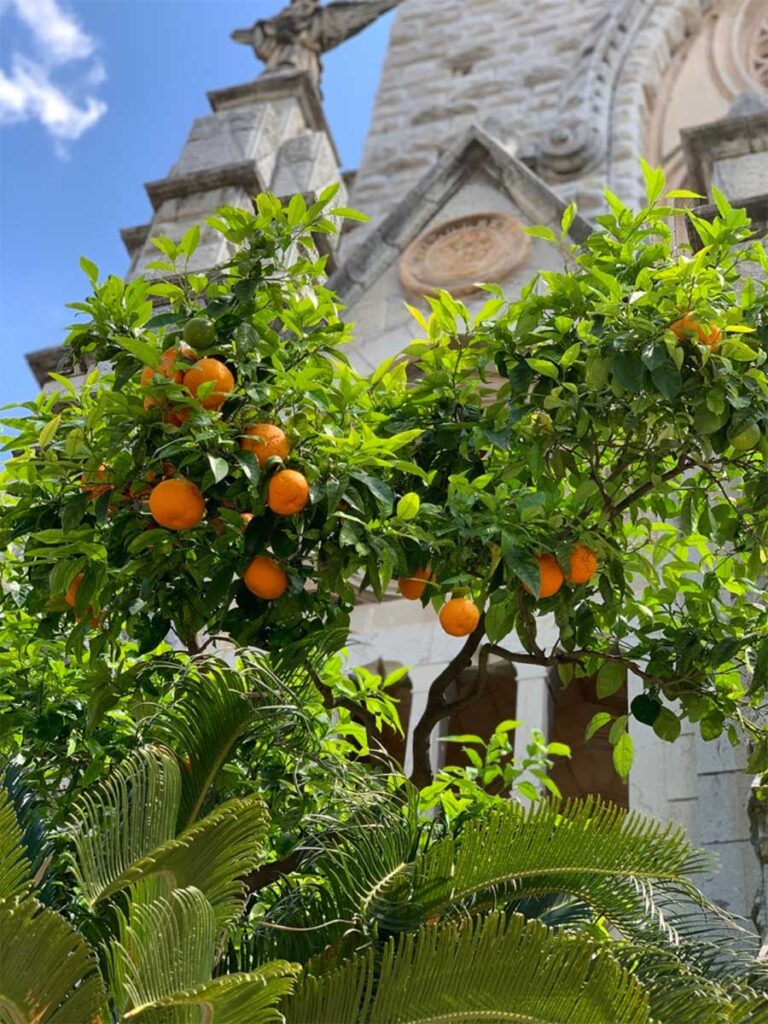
(730, 137)
(242, 174)
(135, 237)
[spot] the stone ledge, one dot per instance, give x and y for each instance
(757, 210)
(135, 237)
(43, 360)
(243, 174)
(706, 144)
(276, 86)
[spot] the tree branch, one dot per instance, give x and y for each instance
(682, 464)
(438, 708)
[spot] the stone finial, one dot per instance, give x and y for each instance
(297, 37)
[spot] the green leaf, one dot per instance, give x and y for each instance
(148, 355)
(760, 670)
(623, 755)
(628, 371)
(15, 874)
(596, 723)
(540, 231)
(569, 215)
(684, 193)
(667, 725)
(500, 619)
(49, 975)
(456, 971)
(219, 467)
(408, 506)
(90, 270)
(48, 432)
(124, 831)
(544, 367)
(611, 677)
(668, 380)
(349, 214)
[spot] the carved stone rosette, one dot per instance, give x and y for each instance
(460, 255)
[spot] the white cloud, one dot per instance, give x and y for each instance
(57, 33)
(29, 91)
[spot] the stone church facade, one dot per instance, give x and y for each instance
(491, 115)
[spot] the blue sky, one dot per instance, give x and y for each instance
(97, 97)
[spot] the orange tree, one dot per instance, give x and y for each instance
(594, 450)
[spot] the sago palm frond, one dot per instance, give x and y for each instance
(161, 960)
(599, 854)
(14, 866)
(203, 726)
(48, 974)
(119, 840)
(124, 819)
(351, 862)
(494, 969)
(684, 984)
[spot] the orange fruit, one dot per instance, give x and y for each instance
(206, 370)
(459, 616)
(265, 578)
(412, 587)
(71, 595)
(288, 492)
(246, 518)
(551, 575)
(177, 504)
(71, 598)
(167, 367)
(93, 485)
(582, 564)
(265, 440)
(218, 525)
(685, 328)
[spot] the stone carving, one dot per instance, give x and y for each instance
(461, 254)
(759, 55)
(296, 38)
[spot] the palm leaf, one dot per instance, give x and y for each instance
(160, 965)
(14, 867)
(684, 986)
(610, 860)
(48, 973)
(494, 969)
(221, 705)
(204, 726)
(112, 851)
(125, 819)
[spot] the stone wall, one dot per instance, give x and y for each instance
(496, 63)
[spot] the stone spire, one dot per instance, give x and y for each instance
(297, 37)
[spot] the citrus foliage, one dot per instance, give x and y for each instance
(582, 451)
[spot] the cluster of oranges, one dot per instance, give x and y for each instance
(178, 504)
(460, 616)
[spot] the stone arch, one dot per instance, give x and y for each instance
(496, 703)
(590, 769)
(596, 136)
(726, 58)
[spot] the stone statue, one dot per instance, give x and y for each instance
(297, 37)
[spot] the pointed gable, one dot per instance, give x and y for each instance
(466, 216)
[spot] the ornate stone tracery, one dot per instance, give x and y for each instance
(461, 254)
